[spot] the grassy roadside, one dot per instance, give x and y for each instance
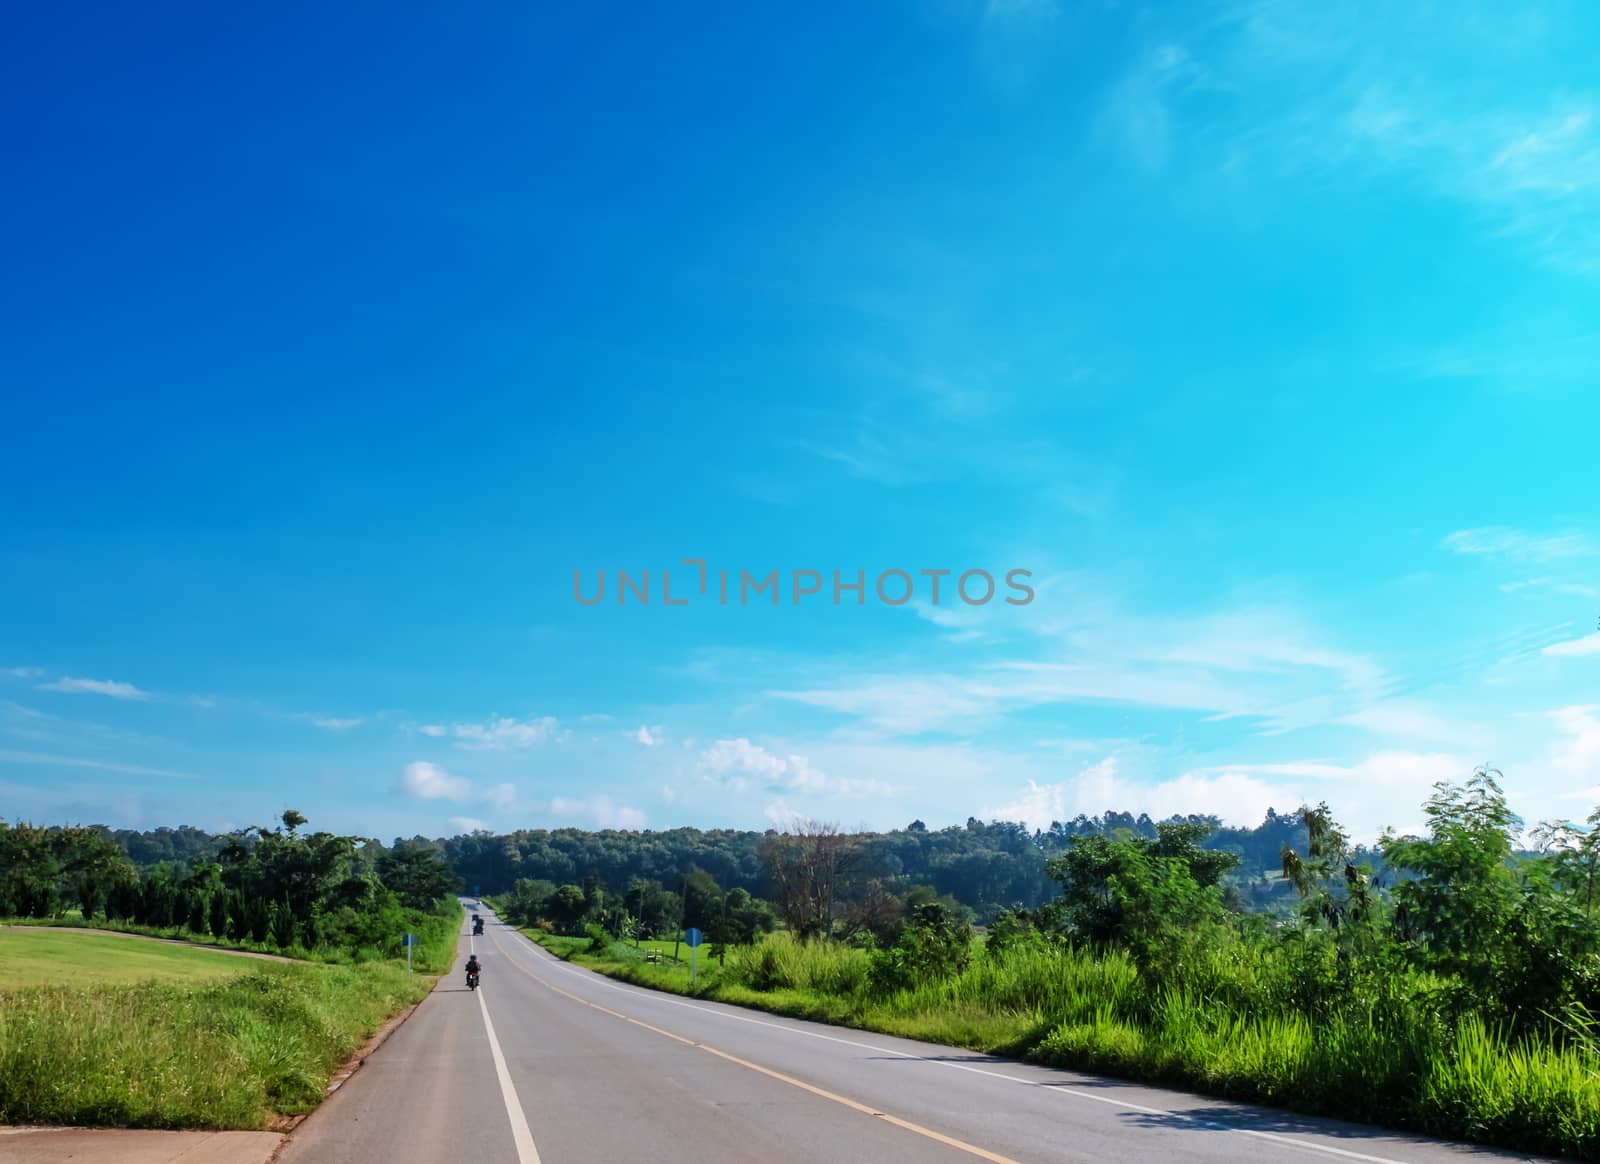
(435, 937)
(51, 958)
(1464, 1081)
(209, 1053)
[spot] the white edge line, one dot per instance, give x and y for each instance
(527, 1153)
(1052, 1088)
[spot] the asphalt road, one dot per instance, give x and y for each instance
(550, 1062)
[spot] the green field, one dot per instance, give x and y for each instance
(35, 957)
(101, 1030)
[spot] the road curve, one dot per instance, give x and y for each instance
(550, 1063)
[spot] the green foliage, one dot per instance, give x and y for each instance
(44, 872)
(934, 944)
(568, 908)
(417, 874)
(1515, 936)
(1156, 897)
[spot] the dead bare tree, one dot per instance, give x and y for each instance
(809, 864)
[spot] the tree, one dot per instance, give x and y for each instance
(199, 912)
(702, 900)
(1501, 925)
(1155, 897)
(934, 944)
(417, 874)
(283, 924)
(1457, 907)
(808, 865)
(567, 908)
(218, 920)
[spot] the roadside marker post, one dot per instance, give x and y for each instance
(408, 941)
(691, 938)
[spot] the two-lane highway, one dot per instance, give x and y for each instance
(550, 1062)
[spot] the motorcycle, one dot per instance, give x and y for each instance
(477, 926)
(472, 980)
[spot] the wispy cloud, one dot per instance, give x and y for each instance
(1258, 662)
(650, 737)
(468, 824)
(1575, 648)
(12, 757)
(107, 687)
(425, 781)
(741, 765)
(21, 672)
(502, 733)
(600, 810)
(1015, 40)
(1552, 585)
(1499, 541)
(1136, 119)
(329, 723)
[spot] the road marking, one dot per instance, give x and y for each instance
(854, 1105)
(526, 1152)
(1053, 1088)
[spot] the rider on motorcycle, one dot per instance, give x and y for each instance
(472, 965)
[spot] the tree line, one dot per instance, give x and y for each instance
(282, 886)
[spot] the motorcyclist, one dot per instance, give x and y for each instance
(472, 965)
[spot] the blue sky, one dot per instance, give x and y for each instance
(1261, 334)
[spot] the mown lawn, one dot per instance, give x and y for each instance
(34, 957)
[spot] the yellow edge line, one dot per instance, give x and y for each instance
(853, 1105)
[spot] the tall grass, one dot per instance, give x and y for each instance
(1233, 1022)
(227, 1054)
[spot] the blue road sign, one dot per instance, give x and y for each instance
(409, 940)
(691, 937)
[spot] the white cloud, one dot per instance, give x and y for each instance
(425, 781)
(1397, 718)
(601, 810)
(1500, 541)
(780, 814)
(1556, 585)
(501, 796)
(1573, 648)
(468, 824)
(650, 737)
(108, 687)
(740, 764)
(1384, 789)
(1234, 797)
(1577, 755)
(11, 757)
(1260, 662)
(506, 734)
(433, 729)
(21, 672)
(669, 793)
(335, 725)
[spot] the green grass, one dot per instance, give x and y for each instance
(226, 1053)
(436, 935)
(1403, 1066)
(30, 957)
